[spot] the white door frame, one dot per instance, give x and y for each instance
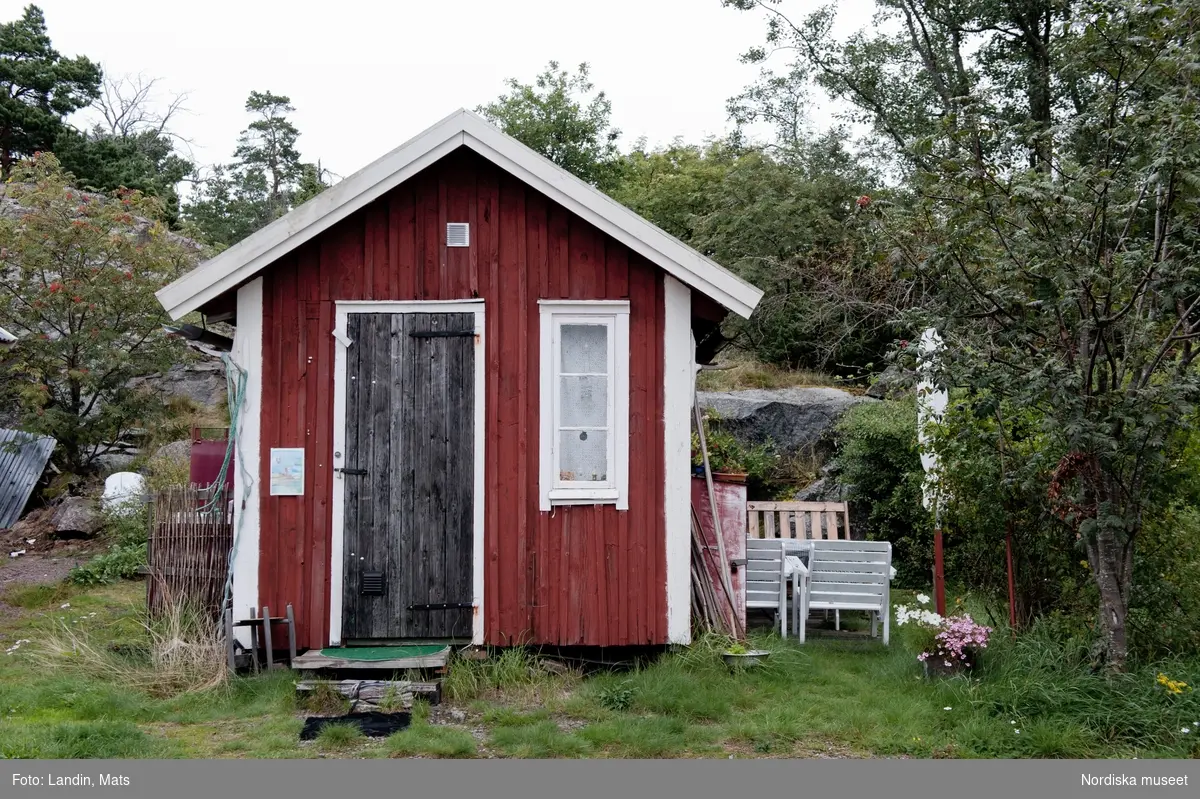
(336, 562)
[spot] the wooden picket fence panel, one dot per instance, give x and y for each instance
(188, 550)
(805, 520)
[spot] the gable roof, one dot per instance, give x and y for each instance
(461, 129)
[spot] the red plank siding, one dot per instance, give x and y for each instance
(585, 575)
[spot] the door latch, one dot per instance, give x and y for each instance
(350, 471)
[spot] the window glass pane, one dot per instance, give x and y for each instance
(583, 455)
(584, 401)
(584, 348)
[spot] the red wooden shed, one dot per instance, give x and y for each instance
(467, 416)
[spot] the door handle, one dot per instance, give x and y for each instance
(351, 471)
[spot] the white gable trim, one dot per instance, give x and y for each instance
(248, 354)
(248, 257)
(679, 373)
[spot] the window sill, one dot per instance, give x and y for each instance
(584, 497)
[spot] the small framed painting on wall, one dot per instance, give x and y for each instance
(287, 472)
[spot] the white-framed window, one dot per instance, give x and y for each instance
(584, 441)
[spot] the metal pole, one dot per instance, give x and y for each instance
(939, 577)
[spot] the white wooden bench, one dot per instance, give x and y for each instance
(848, 575)
(803, 520)
(766, 585)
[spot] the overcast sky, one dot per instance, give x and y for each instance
(366, 76)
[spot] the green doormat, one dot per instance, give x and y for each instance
(384, 652)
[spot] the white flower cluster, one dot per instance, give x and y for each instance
(925, 618)
(16, 646)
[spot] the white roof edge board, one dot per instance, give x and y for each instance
(248, 257)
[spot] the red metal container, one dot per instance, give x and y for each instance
(731, 507)
(208, 453)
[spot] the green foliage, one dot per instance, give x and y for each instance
(126, 523)
(145, 161)
(36, 595)
(121, 562)
(99, 739)
(858, 699)
(511, 669)
(540, 740)
(879, 461)
(339, 735)
(783, 220)
(429, 741)
(995, 484)
(1095, 337)
(740, 373)
(324, 699)
(618, 696)
(1053, 211)
(266, 179)
(1165, 603)
(38, 88)
(559, 116)
(80, 272)
(768, 475)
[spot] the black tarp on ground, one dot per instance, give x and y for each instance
(373, 724)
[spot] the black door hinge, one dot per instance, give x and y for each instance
(443, 606)
(441, 333)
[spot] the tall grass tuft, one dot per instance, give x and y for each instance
(339, 735)
(514, 670)
(185, 653)
(1047, 685)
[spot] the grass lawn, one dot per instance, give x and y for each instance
(825, 699)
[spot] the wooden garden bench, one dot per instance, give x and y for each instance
(803, 520)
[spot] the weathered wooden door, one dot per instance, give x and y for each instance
(408, 474)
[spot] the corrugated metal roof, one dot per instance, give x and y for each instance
(23, 458)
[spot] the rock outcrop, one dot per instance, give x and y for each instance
(794, 420)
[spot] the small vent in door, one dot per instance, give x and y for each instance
(458, 234)
(373, 583)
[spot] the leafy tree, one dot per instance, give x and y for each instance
(558, 116)
(38, 88)
(78, 274)
(879, 460)
(267, 153)
(977, 65)
(265, 181)
(130, 147)
(782, 217)
(1071, 288)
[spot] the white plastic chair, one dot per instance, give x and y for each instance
(766, 583)
(849, 575)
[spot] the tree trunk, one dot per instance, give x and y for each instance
(1108, 568)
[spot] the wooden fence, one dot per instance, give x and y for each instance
(189, 550)
(822, 520)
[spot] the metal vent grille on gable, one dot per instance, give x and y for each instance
(373, 583)
(458, 234)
